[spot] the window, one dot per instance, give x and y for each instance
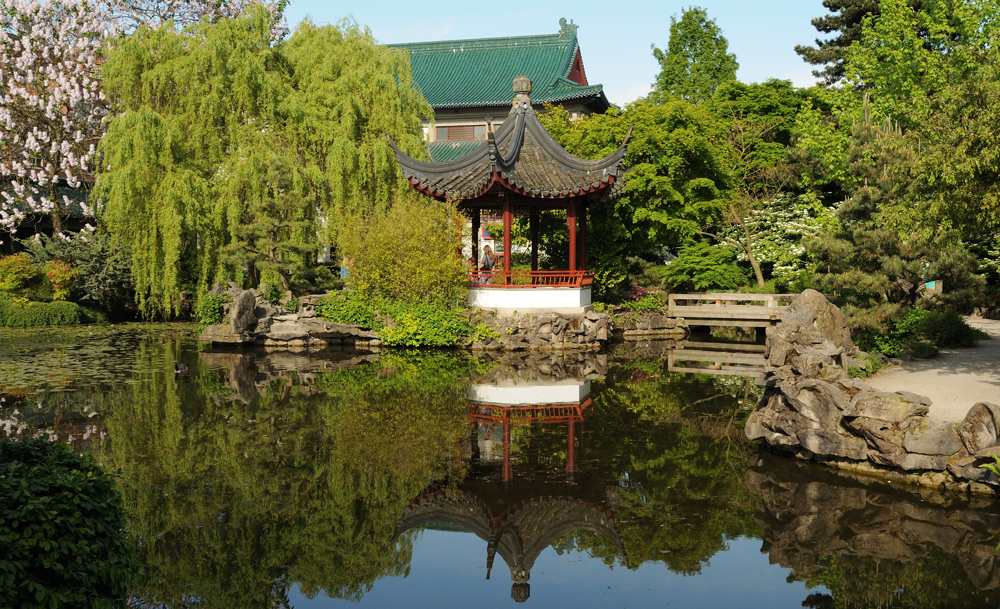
(461, 132)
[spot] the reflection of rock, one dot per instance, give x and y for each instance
(254, 321)
(653, 324)
(539, 366)
(812, 409)
(248, 374)
(808, 516)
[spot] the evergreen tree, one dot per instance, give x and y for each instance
(845, 20)
(886, 249)
(697, 59)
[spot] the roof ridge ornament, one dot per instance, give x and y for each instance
(567, 28)
(522, 89)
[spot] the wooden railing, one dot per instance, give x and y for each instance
(530, 279)
(730, 309)
(524, 414)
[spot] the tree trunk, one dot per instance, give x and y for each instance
(753, 259)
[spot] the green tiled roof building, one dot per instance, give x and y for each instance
(467, 82)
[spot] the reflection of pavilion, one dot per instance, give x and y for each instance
(501, 407)
(520, 516)
(520, 533)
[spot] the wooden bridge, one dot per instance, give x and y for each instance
(721, 309)
(727, 359)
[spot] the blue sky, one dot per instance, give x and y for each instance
(615, 37)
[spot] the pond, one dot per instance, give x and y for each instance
(439, 479)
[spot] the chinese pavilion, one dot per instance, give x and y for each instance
(522, 169)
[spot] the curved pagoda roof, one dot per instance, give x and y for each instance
(520, 157)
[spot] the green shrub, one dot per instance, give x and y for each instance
(349, 308)
(646, 303)
(401, 324)
(208, 311)
(16, 271)
(62, 529)
(946, 329)
(873, 363)
(406, 253)
(921, 349)
(703, 266)
(21, 312)
(102, 277)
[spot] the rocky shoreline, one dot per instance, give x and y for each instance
(252, 320)
(813, 410)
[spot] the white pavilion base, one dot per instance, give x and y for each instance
(571, 392)
(507, 301)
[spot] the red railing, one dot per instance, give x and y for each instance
(530, 279)
(535, 413)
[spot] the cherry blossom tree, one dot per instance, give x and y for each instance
(131, 14)
(51, 105)
(52, 109)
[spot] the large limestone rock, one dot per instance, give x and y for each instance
(811, 409)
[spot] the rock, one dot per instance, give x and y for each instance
(312, 299)
(968, 469)
(816, 400)
(979, 429)
(933, 438)
(826, 442)
(909, 461)
(885, 436)
(892, 407)
(223, 334)
(241, 313)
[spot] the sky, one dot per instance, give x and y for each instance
(615, 37)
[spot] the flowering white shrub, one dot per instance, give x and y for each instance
(779, 230)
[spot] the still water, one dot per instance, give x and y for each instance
(446, 480)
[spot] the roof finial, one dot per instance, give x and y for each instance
(522, 88)
(567, 28)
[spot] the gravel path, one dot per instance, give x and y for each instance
(955, 380)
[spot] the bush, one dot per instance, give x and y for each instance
(60, 275)
(401, 324)
(21, 312)
(208, 310)
(651, 301)
(873, 363)
(16, 271)
(103, 271)
(945, 328)
(702, 267)
(62, 530)
(406, 253)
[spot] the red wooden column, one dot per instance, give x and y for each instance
(475, 236)
(533, 221)
(583, 237)
(508, 220)
(508, 471)
(570, 448)
(571, 223)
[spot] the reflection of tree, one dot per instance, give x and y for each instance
(669, 442)
(229, 499)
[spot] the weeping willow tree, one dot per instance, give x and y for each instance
(231, 155)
